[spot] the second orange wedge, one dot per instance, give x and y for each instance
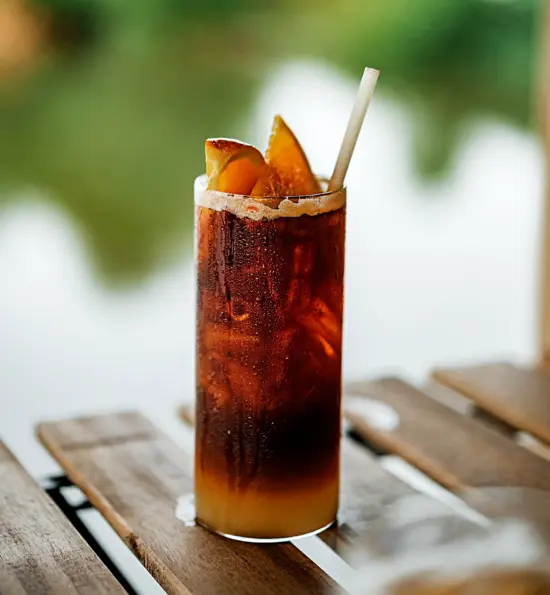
(269, 183)
(286, 155)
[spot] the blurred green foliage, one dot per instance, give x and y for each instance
(449, 61)
(112, 126)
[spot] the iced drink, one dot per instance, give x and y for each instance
(269, 354)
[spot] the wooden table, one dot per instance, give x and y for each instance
(40, 552)
(461, 432)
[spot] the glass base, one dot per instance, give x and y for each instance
(265, 539)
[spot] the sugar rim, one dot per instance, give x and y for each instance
(269, 207)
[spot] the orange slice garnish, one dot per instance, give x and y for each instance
(286, 155)
(232, 166)
(270, 183)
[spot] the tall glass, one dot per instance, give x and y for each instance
(269, 343)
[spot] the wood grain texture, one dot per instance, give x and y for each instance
(40, 551)
(520, 397)
(463, 405)
(488, 419)
(369, 497)
(448, 397)
(133, 475)
(451, 448)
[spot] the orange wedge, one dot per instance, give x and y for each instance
(286, 155)
(270, 183)
(232, 166)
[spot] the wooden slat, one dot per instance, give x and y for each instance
(369, 496)
(133, 474)
(448, 397)
(460, 403)
(40, 551)
(510, 502)
(455, 450)
(102, 430)
(519, 397)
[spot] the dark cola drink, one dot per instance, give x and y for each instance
(269, 358)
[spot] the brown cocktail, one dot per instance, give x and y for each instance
(269, 340)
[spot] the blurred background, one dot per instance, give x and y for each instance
(104, 109)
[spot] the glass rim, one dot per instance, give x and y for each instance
(272, 200)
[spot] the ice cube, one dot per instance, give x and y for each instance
(324, 327)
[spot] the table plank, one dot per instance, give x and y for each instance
(133, 474)
(448, 397)
(453, 449)
(40, 551)
(462, 404)
(517, 396)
